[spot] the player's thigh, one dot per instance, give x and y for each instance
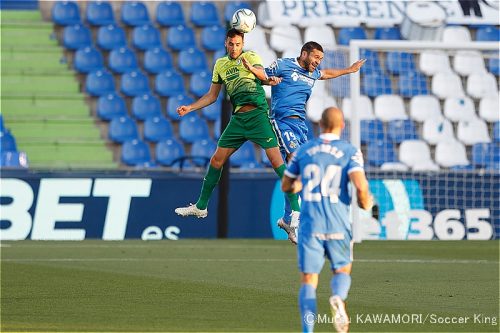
(310, 254)
(259, 129)
(339, 252)
(291, 132)
(233, 135)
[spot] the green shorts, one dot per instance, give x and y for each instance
(252, 125)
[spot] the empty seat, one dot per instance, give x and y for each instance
(244, 155)
(365, 108)
(387, 33)
(485, 155)
(134, 13)
(348, 33)
(88, 59)
(488, 109)
(169, 83)
(213, 37)
(284, 36)
(255, 39)
(424, 107)
(231, 6)
(99, 13)
(380, 152)
(192, 60)
(157, 129)
(389, 107)
(199, 83)
(488, 34)
(394, 166)
(456, 34)
(481, 85)
(494, 66)
(416, 154)
(169, 152)
(213, 111)
(136, 153)
(322, 34)
(110, 106)
(76, 36)
(122, 60)
(473, 131)
(459, 109)
(169, 14)
(451, 154)
(204, 14)
(13, 159)
(134, 83)
(110, 37)
(145, 37)
(99, 83)
(436, 130)
(375, 84)
(180, 38)
(433, 62)
(412, 83)
(122, 129)
(401, 130)
(8, 142)
(65, 13)
(174, 102)
(371, 130)
(157, 60)
(447, 84)
(372, 63)
(468, 62)
(193, 128)
(146, 106)
(202, 151)
(399, 62)
(317, 104)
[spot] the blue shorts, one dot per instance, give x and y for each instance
(311, 252)
(291, 132)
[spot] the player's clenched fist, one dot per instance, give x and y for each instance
(183, 110)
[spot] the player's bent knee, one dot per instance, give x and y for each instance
(309, 278)
(345, 269)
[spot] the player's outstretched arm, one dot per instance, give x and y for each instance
(207, 99)
(365, 198)
(331, 73)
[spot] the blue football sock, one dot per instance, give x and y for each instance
(288, 211)
(307, 306)
(340, 284)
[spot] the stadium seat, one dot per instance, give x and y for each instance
(411, 84)
(65, 13)
(134, 83)
(110, 106)
(394, 166)
(219, 54)
(424, 107)
(169, 14)
(169, 152)
(174, 102)
(372, 64)
(256, 39)
(193, 128)
(122, 129)
(456, 34)
(268, 56)
(134, 13)
(375, 84)
(87, 59)
(8, 142)
(192, 60)
(321, 34)
(459, 109)
(180, 38)
(213, 37)
(99, 13)
(389, 107)
(481, 85)
(401, 130)
(496, 131)
(417, 155)
(213, 111)
(473, 131)
(433, 62)
(199, 83)
(380, 152)
(387, 33)
(365, 106)
(2, 125)
(146, 106)
(231, 6)
(451, 153)
(99, 83)
(436, 130)
(136, 153)
(447, 84)
(488, 109)
(284, 36)
(157, 129)
(372, 130)
(399, 62)
(467, 62)
(145, 37)
(110, 37)
(169, 83)
(76, 37)
(494, 66)
(484, 155)
(204, 14)
(122, 60)
(157, 60)
(244, 155)
(488, 34)
(317, 104)
(217, 130)
(14, 159)
(202, 151)
(348, 33)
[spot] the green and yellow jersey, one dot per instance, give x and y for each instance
(242, 86)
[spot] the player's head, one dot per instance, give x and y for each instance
(311, 55)
(332, 121)
(234, 43)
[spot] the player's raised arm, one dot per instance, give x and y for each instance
(365, 199)
(205, 100)
(331, 73)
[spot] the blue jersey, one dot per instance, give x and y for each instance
(289, 98)
(324, 165)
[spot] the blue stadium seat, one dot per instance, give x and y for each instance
(412, 84)
(169, 14)
(217, 131)
(122, 60)
(399, 62)
(348, 33)
(134, 13)
(122, 129)
(65, 13)
(134, 83)
(157, 60)
(342, 87)
(199, 83)
(8, 142)
(494, 66)
(371, 130)
(2, 126)
(244, 155)
(387, 33)
(202, 151)
(99, 83)
(88, 59)
(136, 153)
(218, 54)
(372, 64)
(204, 14)
(486, 155)
(488, 34)
(145, 37)
(232, 6)
(380, 152)
(157, 129)
(110, 106)
(169, 83)
(400, 130)
(213, 111)
(264, 159)
(169, 152)
(192, 60)
(180, 37)
(99, 13)
(146, 106)
(213, 37)
(375, 84)
(76, 36)
(14, 159)
(193, 128)
(110, 37)
(496, 131)
(174, 102)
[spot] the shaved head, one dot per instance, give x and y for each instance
(332, 120)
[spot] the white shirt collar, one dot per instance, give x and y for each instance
(329, 136)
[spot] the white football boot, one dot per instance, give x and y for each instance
(191, 210)
(340, 318)
(291, 229)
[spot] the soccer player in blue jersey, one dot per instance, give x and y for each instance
(325, 166)
(288, 105)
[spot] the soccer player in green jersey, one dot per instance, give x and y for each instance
(250, 119)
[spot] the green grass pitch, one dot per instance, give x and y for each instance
(241, 286)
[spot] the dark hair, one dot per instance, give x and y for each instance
(233, 33)
(310, 46)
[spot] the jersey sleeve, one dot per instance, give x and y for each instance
(356, 162)
(274, 69)
(253, 58)
(293, 169)
(216, 78)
